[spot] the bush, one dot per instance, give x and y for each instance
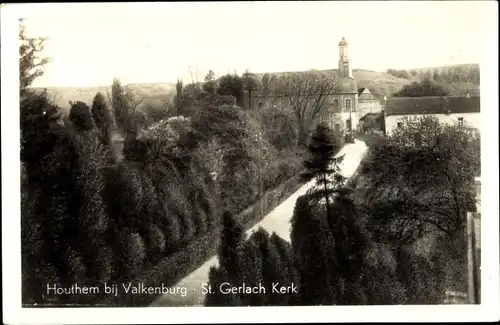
(280, 128)
(81, 117)
(102, 117)
(134, 252)
(422, 278)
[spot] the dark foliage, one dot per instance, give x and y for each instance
(81, 117)
(102, 117)
(422, 89)
(232, 85)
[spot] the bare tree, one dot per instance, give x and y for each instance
(125, 108)
(305, 93)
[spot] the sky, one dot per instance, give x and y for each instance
(89, 44)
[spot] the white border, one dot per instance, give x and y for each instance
(14, 314)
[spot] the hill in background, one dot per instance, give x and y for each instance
(457, 79)
(151, 94)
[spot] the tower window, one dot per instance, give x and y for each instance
(461, 121)
(348, 106)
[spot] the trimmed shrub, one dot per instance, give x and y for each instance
(134, 251)
(102, 117)
(81, 117)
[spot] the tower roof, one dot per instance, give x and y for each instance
(343, 41)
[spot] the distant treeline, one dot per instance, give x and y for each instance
(468, 73)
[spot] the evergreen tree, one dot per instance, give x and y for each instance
(266, 84)
(350, 243)
(251, 84)
(81, 117)
(322, 165)
(178, 99)
(231, 247)
(210, 85)
(102, 117)
(232, 85)
(288, 271)
(39, 123)
(216, 277)
(271, 267)
(313, 247)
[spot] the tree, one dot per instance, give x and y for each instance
(232, 85)
(436, 75)
(272, 271)
(426, 188)
(178, 96)
(250, 84)
(231, 248)
(422, 89)
(230, 126)
(266, 84)
(30, 62)
(305, 93)
(313, 257)
(81, 117)
(210, 85)
(322, 164)
(127, 116)
(102, 117)
(39, 119)
(280, 128)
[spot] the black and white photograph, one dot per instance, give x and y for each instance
(171, 155)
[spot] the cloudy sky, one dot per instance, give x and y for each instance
(158, 42)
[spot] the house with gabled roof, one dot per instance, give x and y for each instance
(459, 110)
(367, 103)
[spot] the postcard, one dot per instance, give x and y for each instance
(285, 162)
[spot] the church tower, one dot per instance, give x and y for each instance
(344, 62)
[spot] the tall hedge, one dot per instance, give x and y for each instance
(102, 117)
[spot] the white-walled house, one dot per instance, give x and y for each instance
(453, 110)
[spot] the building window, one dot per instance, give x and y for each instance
(400, 125)
(348, 104)
(461, 121)
(336, 105)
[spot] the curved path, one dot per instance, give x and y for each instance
(277, 221)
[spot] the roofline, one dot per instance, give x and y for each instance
(405, 114)
(307, 95)
(425, 97)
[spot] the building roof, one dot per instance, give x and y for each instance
(370, 116)
(365, 95)
(432, 105)
(372, 119)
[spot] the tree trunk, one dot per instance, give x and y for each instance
(327, 201)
